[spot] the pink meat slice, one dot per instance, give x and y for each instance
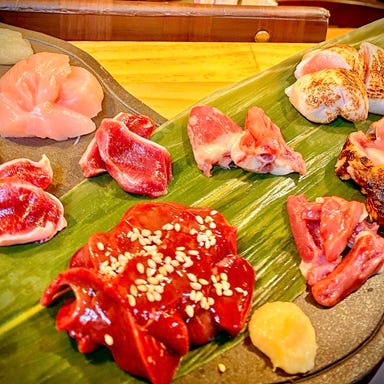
(91, 162)
(139, 165)
(211, 134)
(38, 173)
(44, 96)
(81, 92)
(262, 148)
(142, 125)
(28, 213)
(36, 79)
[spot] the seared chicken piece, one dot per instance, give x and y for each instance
(336, 56)
(362, 160)
(262, 148)
(374, 79)
(324, 95)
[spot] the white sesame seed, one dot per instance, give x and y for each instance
(100, 246)
(228, 292)
(188, 262)
(168, 227)
(140, 281)
(153, 280)
(133, 290)
(157, 296)
(108, 339)
(150, 297)
(189, 310)
(146, 232)
(221, 367)
(223, 276)
(163, 271)
(140, 267)
(211, 301)
(193, 231)
(199, 219)
(150, 272)
(175, 263)
(158, 288)
(193, 252)
(131, 300)
(213, 212)
(142, 288)
(196, 286)
(151, 263)
(169, 268)
(212, 225)
(177, 227)
(199, 295)
(203, 281)
(192, 277)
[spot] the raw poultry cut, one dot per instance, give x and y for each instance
(262, 149)
(211, 134)
(139, 165)
(339, 248)
(44, 96)
(166, 278)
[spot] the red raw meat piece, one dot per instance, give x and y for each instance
(91, 162)
(28, 213)
(166, 277)
(324, 231)
(140, 124)
(365, 259)
(211, 134)
(38, 173)
(139, 165)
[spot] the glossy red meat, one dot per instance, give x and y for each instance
(139, 165)
(166, 277)
(38, 173)
(324, 231)
(140, 124)
(28, 213)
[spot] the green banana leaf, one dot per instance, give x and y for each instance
(32, 351)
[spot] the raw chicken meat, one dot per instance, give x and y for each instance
(324, 95)
(44, 96)
(336, 56)
(338, 247)
(28, 213)
(38, 173)
(211, 134)
(261, 147)
(139, 165)
(374, 79)
(362, 160)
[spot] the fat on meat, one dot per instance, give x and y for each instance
(335, 56)
(324, 95)
(374, 77)
(139, 165)
(211, 134)
(28, 213)
(38, 173)
(261, 148)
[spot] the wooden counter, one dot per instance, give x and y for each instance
(170, 76)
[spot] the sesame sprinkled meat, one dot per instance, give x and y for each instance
(164, 279)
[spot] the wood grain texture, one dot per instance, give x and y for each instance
(165, 21)
(171, 76)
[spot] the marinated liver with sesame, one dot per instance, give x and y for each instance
(166, 277)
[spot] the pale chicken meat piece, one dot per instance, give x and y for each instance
(374, 78)
(336, 56)
(211, 134)
(324, 95)
(362, 160)
(262, 149)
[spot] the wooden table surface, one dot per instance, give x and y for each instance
(171, 76)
